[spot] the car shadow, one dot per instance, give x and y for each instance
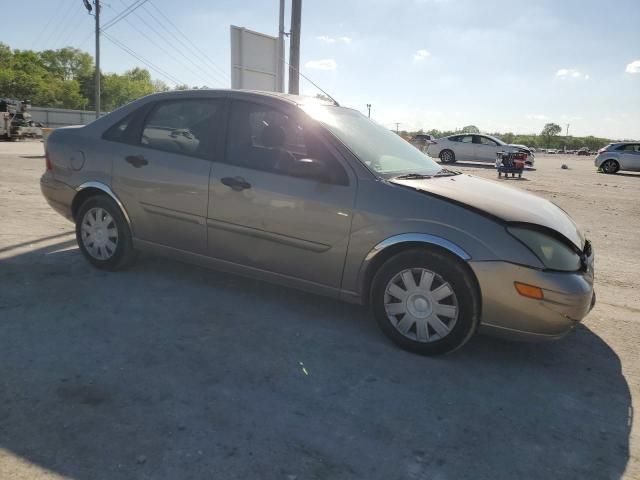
(169, 371)
(486, 166)
(623, 174)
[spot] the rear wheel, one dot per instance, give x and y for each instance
(425, 302)
(610, 166)
(103, 234)
(447, 156)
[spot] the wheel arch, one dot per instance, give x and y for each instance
(408, 241)
(90, 189)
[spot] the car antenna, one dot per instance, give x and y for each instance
(335, 102)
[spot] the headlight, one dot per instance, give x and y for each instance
(553, 253)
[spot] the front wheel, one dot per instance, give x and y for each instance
(447, 156)
(103, 234)
(425, 302)
(610, 166)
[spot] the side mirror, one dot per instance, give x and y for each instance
(310, 168)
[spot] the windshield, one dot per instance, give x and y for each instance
(381, 150)
(498, 141)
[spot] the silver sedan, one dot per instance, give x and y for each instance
(474, 147)
(316, 196)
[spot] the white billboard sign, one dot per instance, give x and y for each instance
(255, 58)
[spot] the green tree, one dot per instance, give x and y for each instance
(549, 131)
(470, 129)
(121, 89)
(67, 63)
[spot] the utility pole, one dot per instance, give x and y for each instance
(369, 109)
(294, 47)
(281, 48)
(97, 58)
(566, 138)
(397, 128)
(87, 5)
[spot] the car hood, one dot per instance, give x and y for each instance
(506, 203)
(520, 147)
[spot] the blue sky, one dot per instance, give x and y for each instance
(506, 65)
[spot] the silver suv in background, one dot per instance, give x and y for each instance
(316, 196)
(619, 156)
(473, 147)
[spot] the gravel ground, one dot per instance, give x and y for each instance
(169, 371)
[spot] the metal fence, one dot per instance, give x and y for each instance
(61, 117)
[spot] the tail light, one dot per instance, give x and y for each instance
(47, 160)
(602, 150)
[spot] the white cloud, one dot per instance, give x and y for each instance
(633, 67)
(537, 116)
(571, 73)
(328, 39)
(421, 55)
(322, 64)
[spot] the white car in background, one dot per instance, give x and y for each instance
(474, 147)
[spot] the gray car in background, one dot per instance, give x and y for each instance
(474, 147)
(619, 156)
(315, 196)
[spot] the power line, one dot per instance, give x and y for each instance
(56, 31)
(39, 36)
(203, 56)
(207, 76)
(69, 30)
(137, 56)
(127, 11)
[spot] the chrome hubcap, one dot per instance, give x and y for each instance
(446, 157)
(609, 166)
(421, 305)
(99, 233)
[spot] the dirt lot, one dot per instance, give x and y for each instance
(169, 371)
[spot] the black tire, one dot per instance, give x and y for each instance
(447, 270)
(447, 156)
(124, 254)
(610, 166)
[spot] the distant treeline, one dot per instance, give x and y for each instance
(550, 138)
(65, 78)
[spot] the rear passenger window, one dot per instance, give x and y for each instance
(117, 132)
(186, 127)
(263, 138)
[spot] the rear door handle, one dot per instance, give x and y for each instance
(136, 160)
(236, 183)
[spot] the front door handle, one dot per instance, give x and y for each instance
(236, 183)
(136, 160)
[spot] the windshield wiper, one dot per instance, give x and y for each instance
(446, 173)
(412, 176)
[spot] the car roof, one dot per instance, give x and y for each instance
(246, 94)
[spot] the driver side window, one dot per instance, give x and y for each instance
(184, 127)
(263, 138)
(487, 141)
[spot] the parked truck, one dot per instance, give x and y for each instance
(16, 122)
